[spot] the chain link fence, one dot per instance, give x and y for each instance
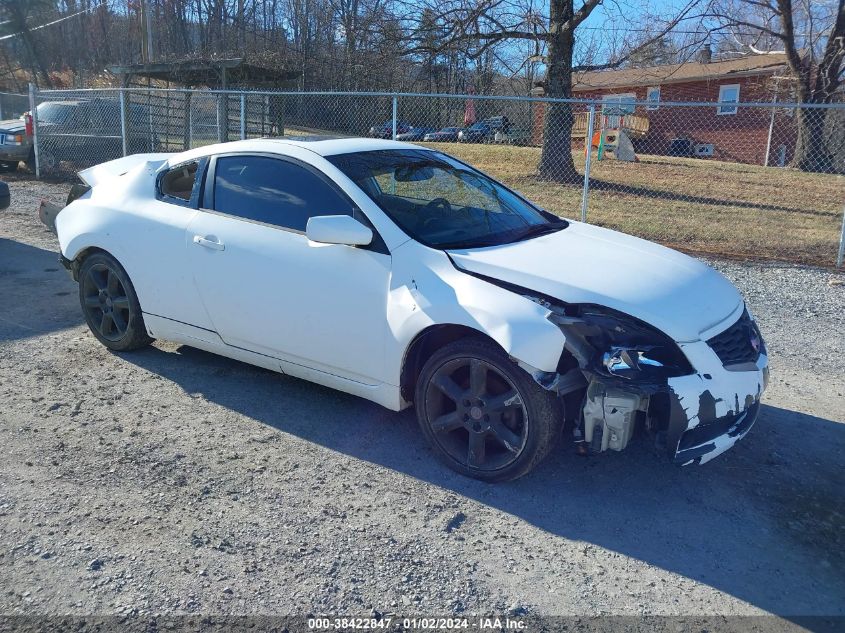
(761, 180)
(12, 105)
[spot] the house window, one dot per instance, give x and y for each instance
(618, 105)
(728, 93)
(652, 97)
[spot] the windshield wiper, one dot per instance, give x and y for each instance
(506, 238)
(536, 230)
(477, 243)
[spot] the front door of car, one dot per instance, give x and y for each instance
(268, 289)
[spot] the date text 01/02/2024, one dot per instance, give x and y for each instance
(416, 623)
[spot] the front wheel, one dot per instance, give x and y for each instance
(485, 416)
(46, 161)
(110, 304)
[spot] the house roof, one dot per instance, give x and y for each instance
(674, 73)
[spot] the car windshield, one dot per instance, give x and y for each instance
(55, 112)
(479, 126)
(441, 202)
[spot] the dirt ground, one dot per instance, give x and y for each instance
(173, 481)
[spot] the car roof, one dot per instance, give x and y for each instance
(321, 145)
(68, 102)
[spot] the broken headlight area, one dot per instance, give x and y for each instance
(616, 345)
(624, 365)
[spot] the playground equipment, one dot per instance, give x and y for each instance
(617, 142)
(614, 133)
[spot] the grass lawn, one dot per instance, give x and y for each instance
(700, 206)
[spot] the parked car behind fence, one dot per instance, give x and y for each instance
(485, 131)
(447, 134)
(417, 133)
(385, 130)
(86, 130)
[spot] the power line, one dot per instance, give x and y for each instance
(715, 31)
(43, 26)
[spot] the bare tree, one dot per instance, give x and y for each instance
(485, 24)
(17, 14)
(812, 35)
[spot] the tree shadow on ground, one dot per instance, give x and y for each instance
(662, 194)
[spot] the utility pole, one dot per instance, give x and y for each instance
(147, 58)
(146, 32)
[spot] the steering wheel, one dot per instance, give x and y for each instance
(437, 203)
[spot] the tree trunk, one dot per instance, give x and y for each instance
(36, 60)
(556, 159)
(811, 150)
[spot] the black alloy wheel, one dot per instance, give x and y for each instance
(485, 416)
(110, 304)
(105, 302)
(476, 414)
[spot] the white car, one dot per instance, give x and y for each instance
(402, 275)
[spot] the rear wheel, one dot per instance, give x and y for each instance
(485, 416)
(46, 161)
(110, 304)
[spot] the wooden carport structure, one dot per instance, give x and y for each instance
(216, 74)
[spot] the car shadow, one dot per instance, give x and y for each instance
(731, 517)
(38, 296)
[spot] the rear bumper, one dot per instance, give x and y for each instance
(14, 153)
(713, 409)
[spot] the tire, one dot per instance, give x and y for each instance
(47, 162)
(110, 305)
(496, 423)
(7, 167)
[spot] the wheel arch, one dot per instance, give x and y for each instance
(81, 255)
(426, 343)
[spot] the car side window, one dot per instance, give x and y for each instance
(179, 181)
(274, 191)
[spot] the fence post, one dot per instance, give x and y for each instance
(243, 115)
(841, 254)
(219, 129)
(123, 121)
(33, 112)
(395, 108)
(769, 139)
(588, 142)
(187, 123)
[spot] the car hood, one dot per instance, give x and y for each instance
(681, 296)
(12, 125)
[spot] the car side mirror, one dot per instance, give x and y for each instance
(338, 229)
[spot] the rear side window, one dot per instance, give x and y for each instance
(274, 191)
(179, 181)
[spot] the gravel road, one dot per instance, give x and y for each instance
(173, 481)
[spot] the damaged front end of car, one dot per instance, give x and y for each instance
(694, 399)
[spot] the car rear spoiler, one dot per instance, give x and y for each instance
(97, 174)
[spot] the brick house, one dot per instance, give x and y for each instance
(734, 134)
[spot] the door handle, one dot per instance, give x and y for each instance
(217, 246)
